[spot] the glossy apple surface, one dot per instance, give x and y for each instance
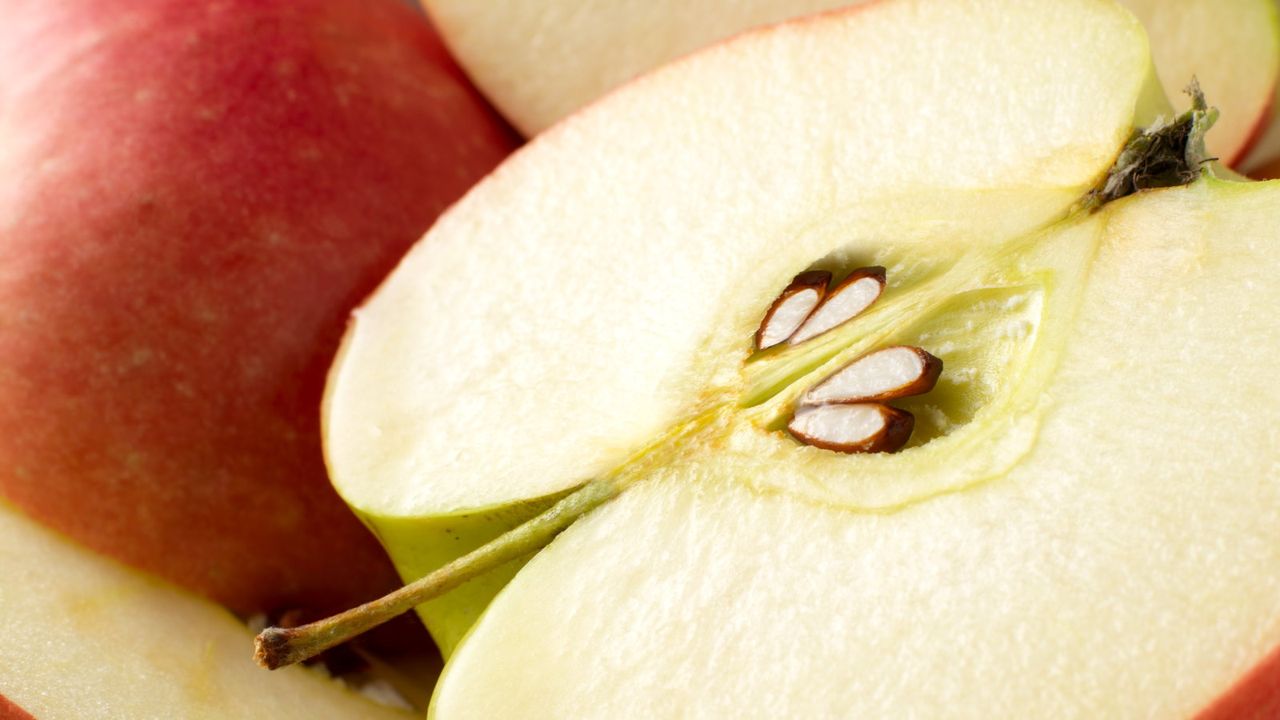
(195, 196)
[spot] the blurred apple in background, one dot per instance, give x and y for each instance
(194, 196)
(1267, 171)
(540, 61)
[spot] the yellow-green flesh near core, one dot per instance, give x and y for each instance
(601, 289)
(1125, 565)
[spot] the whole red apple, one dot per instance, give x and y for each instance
(193, 195)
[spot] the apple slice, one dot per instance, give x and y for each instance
(540, 61)
(444, 429)
(84, 638)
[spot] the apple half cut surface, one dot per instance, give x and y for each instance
(1083, 522)
(83, 637)
(538, 62)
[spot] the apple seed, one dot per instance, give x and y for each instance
(846, 301)
(886, 374)
(861, 428)
(792, 308)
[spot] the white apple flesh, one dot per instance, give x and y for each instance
(1083, 523)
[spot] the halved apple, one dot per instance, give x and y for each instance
(744, 203)
(540, 61)
(83, 637)
(1083, 522)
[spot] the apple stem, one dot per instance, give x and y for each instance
(277, 647)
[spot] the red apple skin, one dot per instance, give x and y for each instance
(1255, 137)
(10, 711)
(1269, 171)
(1256, 696)
(194, 195)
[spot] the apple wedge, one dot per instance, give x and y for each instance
(1082, 522)
(84, 638)
(538, 62)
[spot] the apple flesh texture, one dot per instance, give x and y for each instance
(538, 62)
(442, 445)
(1084, 525)
(82, 638)
(196, 194)
(1124, 566)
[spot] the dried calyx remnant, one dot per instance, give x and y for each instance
(1167, 154)
(847, 412)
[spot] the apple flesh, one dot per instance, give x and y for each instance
(1083, 523)
(196, 194)
(538, 62)
(83, 637)
(389, 421)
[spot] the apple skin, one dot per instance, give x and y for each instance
(1269, 171)
(10, 711)
(196, 194)
(1255, 697)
